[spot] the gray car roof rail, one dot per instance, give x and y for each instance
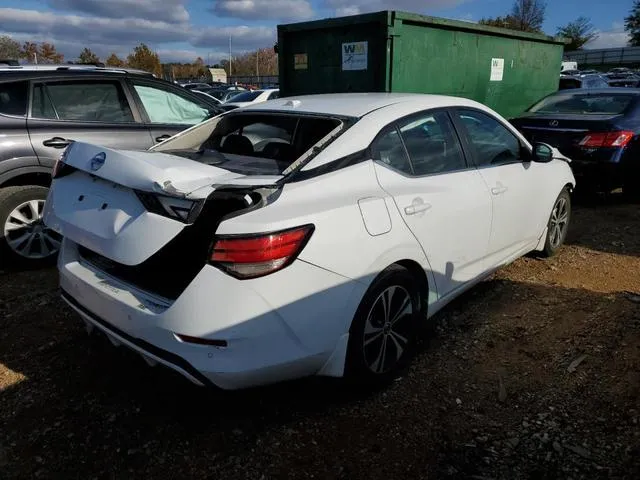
(70, 67)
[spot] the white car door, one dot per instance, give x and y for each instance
(442, 199)
(516, 184)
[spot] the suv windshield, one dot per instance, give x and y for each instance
(585, 103)
(257, 144)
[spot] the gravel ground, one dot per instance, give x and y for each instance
(533, 374)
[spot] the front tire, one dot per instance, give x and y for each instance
(383, 332)
(24, 240)
(558, 225)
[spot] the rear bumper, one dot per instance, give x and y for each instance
(597, 175)
(280, 327)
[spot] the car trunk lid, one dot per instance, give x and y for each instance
(565, 132)
(127, 206)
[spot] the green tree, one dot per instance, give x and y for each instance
(29, 51)
(632, 24)
(87, 56)
(143, 58)
(9, 48)
(502, 22)
(47, 53)
(580, 32)
(114, 61)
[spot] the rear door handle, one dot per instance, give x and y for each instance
(499, 190)
(162, 138)
(57, 142)
(416, 208)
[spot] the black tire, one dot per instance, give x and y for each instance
(10, 199)
(361, 367)
(556, 238)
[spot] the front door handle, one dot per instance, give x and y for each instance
(162, 138)
(499, 190)
(57, 142)
(416, 208)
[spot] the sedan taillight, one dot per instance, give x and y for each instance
(607, 139)
(252, 256)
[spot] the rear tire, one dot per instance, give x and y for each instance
(383, 333)
(24, 240)
(558, 225)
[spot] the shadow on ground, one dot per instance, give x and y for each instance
(87, 410)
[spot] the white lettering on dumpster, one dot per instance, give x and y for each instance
(354, 56)
(497, 69)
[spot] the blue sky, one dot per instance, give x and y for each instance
(180, 30)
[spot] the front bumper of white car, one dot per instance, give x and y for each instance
(283, 326)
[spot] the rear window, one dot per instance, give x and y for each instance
(247, 96)
(13, 98)
(585, 104)
(259, 144)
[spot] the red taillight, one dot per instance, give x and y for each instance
(257, 255)
(607, 139)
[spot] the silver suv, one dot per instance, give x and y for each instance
(45, 108)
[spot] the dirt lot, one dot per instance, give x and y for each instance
(534, 374)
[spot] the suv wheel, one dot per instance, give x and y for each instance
(23, 236)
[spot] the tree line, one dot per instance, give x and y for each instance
(262, 61)
(529, 16)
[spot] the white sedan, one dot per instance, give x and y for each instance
(251, 97)
(307, 236)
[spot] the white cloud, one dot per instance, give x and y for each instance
(346, 11)
(166, 11)
(350, 7)
(242, 37)
(614, 38)
(264, 9)
(71, 33)
(88, 30)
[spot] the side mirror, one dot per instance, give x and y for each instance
(542, 152)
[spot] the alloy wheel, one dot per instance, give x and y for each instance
(387, 329)
(559, 222)
(26, 234)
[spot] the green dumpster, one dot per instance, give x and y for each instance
(393, 51)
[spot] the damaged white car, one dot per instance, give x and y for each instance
(301, 236)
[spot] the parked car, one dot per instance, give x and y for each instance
(44, 108)
(251, 97)
(223, 94)
(582, 81)
(195, 85)
(306, 235)
(598, 129)
(623, 80)
(210, 97)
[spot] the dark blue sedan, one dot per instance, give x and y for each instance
(598, 129)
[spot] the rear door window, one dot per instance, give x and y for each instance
(14, 98)
(86, 101)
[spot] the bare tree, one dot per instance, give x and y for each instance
(529, 14)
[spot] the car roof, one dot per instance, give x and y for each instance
(29, 71)
(590, 91)
(355, 104)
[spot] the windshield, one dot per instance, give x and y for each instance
(585, 103)
(247, 96)
(258, 144)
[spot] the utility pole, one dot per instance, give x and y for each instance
(257, 71)
(229, 56)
